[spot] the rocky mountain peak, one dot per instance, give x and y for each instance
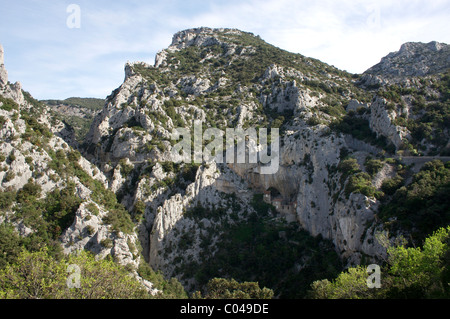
(202, 36)
(411, 48)
(1, 55)
(413, 59)
(3, 72)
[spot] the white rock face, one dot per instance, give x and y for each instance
(304, 176)
(170, 223)
(308, 154)
(413, 59)
(198, 37)
(381, 123)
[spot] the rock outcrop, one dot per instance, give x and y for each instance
(412, 60)
(3, 72)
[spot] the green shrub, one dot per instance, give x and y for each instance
(9, 176)
(120, 220)
(29, 192)
(348, 166)
(107, 243)
(421, 206)
(38, 275)
(410, 273)
(6, 199)
(373, 166)
(361, 183)
(10, 244)
(138, 210)
(8, 104)
(390, 185)
(93, 209)
(60, 207)
(220, 288)
(167, 167)
(170, 289)
(74, 156)
(90, 230)
(125, 169)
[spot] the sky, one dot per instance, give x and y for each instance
(66, 48)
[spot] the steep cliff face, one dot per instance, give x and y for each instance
(229, 78)
(226, 78)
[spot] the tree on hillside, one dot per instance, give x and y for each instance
(413, 272)
(37, 275)
(220, 288)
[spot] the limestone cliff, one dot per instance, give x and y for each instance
(138, 118)
(306, 97)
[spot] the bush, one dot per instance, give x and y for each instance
(373, 166)
(6, 199)
(93, 209)
(8, 104)
(348, 166)
(120, 220)
(125, 169)
(29, 192)
(37, 275)
(170, 289)
(10, 245)
(390, 185)
(9, 176)
(360, 183)
(60, 207)
(422, 206)
(410, 273)
(138, 210)
(220, 288)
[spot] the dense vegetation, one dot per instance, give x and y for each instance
(414, 272)
(220, 288)
(278, 255)
(419, 266)
(354, 124)
(421, 206)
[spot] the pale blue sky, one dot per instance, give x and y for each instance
(52, 60)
